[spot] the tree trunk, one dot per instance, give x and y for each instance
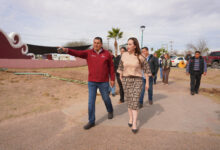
(116, 48)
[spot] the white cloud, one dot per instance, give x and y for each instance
(54, 22)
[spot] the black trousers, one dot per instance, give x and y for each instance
(120, 87)
(195, 79)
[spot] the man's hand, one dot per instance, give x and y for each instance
(112, 83)
(204, 73)
(61, 49)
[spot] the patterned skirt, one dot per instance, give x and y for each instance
(132, 87)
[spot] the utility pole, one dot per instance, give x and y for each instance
(171, 46)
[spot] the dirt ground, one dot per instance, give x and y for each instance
(42, 112)
(212, 77)
(27, 94)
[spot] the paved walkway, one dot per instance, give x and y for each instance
(176, 120)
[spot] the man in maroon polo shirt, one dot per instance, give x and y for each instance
(100, 67)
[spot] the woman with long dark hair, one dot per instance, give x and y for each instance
(131, 68)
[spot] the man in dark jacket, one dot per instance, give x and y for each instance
(155, 77)
(116, 63)
(153, 63)
(196, 67)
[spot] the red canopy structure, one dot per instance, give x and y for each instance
(11, 47)
(16, 54)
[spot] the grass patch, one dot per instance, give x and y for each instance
(213, 93)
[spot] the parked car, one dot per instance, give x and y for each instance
(176, 60)
(173, 56)
(213, 59)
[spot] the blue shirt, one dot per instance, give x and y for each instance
(196, 65)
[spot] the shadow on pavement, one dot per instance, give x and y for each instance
(147, 113)
(119, 109)
(157, 97)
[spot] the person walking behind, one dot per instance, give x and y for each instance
(196, 67)
(155, 77)
(166, 65)
(188, 57)
(112, 89)
(116, 63)
(131, 67)
(100, 67)
(153, 63)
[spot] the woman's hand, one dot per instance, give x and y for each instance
(146, 86)
(121, 77)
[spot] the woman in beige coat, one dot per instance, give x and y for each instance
(131, 68)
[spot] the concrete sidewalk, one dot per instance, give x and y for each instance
(174, 109)
(176, 120)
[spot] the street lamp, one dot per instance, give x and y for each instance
(108, 42)
(142, 30)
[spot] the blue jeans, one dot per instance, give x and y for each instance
(104, 90)
(155, 79)
(112, 89)
(161, 73)
(150, 90)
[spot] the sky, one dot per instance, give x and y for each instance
(56, 22)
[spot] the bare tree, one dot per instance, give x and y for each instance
(84, 43)
(188, 52)
(200, 46)
(174, 52)
(76, 43)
